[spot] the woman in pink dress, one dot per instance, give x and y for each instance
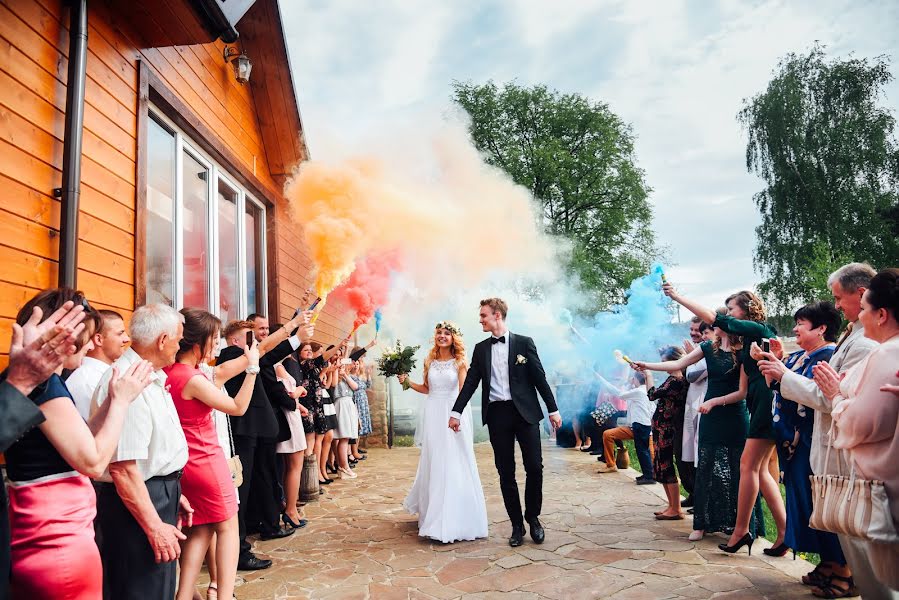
(206, 481)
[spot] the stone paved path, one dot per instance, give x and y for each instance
(601, 542)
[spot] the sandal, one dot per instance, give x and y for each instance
(815, 578)
(829, 590)
(212, 593)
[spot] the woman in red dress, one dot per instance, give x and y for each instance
(206, 481)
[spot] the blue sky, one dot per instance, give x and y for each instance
(677, 71)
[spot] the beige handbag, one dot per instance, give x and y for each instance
(851, 506)
(234, 464)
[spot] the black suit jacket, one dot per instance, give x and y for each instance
(276, 392)
(525, 379)
(260, 419)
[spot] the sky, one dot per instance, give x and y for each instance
(677, 71)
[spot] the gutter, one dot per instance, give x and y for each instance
(70, 192)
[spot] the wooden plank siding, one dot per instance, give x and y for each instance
(33, 75)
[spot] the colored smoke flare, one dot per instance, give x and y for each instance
(368, 287)
(379, 316)
(622, 358)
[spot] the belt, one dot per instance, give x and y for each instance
(170, 477)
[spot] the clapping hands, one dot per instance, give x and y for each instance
(827, 379)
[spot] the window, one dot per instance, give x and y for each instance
(200, 252)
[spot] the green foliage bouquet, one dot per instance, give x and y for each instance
(397, 360)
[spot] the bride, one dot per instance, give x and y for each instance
(447, 493)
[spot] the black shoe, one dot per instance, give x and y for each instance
(362, 451)
(689, 511)
(326, 482)
(276, 535)
(290, 524)
(688, 502)
(746, 540)
(645, 481)
(537, 533)
(517, 537)
(251, 563)
(600, 458)
(596, 453)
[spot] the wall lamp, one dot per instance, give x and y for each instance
(241, 63)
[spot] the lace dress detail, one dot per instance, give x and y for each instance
(447, 494)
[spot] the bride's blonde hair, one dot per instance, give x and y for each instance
(457, 347)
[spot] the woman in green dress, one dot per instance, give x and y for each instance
(746, 318)
(723, 427)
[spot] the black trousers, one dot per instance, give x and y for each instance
(506, 425)
(258, 503)
(5, 562)
(130, 571)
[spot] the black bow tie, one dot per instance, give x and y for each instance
(498, 340)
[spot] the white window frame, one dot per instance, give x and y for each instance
(183, 143)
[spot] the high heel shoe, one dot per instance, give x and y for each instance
(325, 482)
(778, 550)
(288, 522)
(746, 540)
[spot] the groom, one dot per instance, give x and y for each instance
(509, 371)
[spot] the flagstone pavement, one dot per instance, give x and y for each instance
(601, 542)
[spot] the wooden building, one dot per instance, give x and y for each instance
(182, 166)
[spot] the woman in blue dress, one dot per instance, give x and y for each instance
(817, 326)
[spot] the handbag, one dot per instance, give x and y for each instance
(603, 413)
(234, 464)
(851, 506)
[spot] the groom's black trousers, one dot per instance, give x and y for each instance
(506, 425)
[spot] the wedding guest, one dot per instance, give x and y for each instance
(670, 398)
(329, 408)
(639, 415)
(361, 374)
(866, 417)
(52, 502)
(347, 419)
(723, 427)
(293, 449)
(848, 284)
(255, 438)
(140, 498)
(746, 318)
(109, 343)
(816, 329)
(36, 351)
(697, 377)
(313, 361)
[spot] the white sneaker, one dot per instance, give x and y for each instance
(346, 473)
(696, 535)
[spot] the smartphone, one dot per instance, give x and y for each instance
(346, 361)
(766, 345)
(314, 304)
(250, 338)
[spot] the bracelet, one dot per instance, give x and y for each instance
(252, 370)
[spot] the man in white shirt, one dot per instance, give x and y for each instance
(508, 369)
(139, 504)
(639, 415)
(110, 342)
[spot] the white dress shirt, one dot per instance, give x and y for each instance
(83, 382)
(639, 408)
(152, 434)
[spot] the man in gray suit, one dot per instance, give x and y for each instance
(848, 284)
(37, 350)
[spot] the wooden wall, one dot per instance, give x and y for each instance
(33, 72)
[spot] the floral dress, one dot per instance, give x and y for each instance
(671, 397)
(360, 397)
(311, 380)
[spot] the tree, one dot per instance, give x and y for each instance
(824, 146)
(577, 159)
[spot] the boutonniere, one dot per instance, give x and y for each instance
(520, 360)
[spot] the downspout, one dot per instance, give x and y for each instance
(70, 192)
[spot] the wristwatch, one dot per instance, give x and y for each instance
(252, 370)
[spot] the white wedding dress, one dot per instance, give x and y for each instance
(447, 494)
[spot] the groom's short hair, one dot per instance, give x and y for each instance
(496, 305)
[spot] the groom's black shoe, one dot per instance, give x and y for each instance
(537, 533)
(517, 537)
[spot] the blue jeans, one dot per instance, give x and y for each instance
(642, 434)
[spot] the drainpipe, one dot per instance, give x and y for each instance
(70, 192)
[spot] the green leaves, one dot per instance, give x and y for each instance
(397, 360)
(824, 145)
(577, 159)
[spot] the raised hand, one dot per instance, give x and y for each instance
(688, 346)
(827, 379)
(638, 365)
(772, 368)
(127, 387)
(777, 347)
(669, 290)
(252, 353)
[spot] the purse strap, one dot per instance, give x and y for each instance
(230, 437)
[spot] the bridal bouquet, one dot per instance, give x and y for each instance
(397, 360)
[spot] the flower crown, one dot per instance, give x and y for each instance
(450, 326)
